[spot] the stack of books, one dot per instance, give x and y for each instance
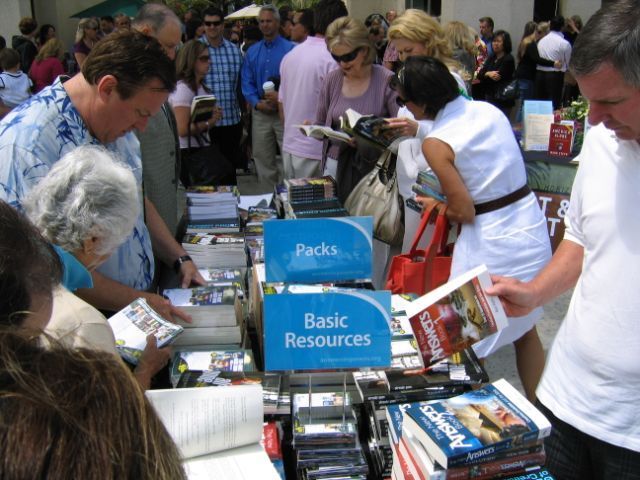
(216, 315)
(325, 437)
(213, 249)
(428, 185)
(492, 432)
(254, 232)
(310, 198)
(213, 209)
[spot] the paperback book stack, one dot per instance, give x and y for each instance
(225, 277)
(216, 315)
(213, 209)
(379, 389)
(312, 198)
(215, 249)
(492, 432)
(254, 232)
(428, 185)
(325, 437)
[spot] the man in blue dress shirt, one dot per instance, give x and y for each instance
(262, 64)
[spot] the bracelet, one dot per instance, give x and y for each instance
(178, 263)
(207, 123)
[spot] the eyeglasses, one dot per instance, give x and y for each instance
(213, 24)
(204, 58)
(347, 57)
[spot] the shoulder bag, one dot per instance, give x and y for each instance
(420, 271)
(376, 195)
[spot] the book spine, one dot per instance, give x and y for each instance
(468, 460)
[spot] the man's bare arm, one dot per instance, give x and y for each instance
(561, 274)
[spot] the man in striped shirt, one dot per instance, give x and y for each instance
(223, 82)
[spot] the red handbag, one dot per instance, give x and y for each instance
(420, 271)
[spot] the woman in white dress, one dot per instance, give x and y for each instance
(474, 154)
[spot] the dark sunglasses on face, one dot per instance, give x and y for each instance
(213, 24)
(204, 58)
(347, 57)
(401, 102)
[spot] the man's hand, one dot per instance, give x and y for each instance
(518, 298)
(189, 274)
(165, 309)
(406, 126)
(152, 360)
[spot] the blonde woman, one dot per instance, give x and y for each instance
(48, 64)
(359, 85)
(463, 47)
(86, 38)
(416, 33)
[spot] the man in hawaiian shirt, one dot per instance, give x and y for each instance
(124, 81)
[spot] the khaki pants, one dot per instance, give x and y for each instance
(300, 167)
(266, 133)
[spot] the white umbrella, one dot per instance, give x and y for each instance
(251, 11)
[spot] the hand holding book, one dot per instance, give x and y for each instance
(403, 126)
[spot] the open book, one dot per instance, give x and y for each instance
(134, 323)
(217, 430)
(368, 128)
(202, 108)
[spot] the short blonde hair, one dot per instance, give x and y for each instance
(351, 32)
(417, 26)
(460, 36)
(52, 48)
(84, 24)
(543, 28)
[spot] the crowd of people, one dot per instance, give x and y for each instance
(91, 165)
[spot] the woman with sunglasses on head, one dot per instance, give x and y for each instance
(86, 38)
(192, 64)
(472, 151)
(359, 85)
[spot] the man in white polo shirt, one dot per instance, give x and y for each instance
(550, 80)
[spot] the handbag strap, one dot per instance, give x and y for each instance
(428, 217)
(438, 242)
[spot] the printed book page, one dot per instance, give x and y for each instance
(243, 463)
(320, 132)
(209, 420)
(536, 131)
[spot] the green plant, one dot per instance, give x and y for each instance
(578, 112)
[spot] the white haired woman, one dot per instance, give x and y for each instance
(86, 207)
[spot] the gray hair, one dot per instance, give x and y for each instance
(612, 35)
(272, 9)
(88, 193)
(156, 16)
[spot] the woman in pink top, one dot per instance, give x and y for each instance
(48, 64)
(359, 85)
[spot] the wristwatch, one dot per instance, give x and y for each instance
(178, 263)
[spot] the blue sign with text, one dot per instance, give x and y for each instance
(316, 331)
(314, 250)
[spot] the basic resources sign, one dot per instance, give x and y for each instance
(311, 331)
(318, 250)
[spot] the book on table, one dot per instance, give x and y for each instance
(202, 108)
(561, 136)
(455, 315)
(476, 425)
(134, 323)
(217, 430)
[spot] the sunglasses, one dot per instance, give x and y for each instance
(204, 58)
(213, 24)
(347, 57)
(401, 102)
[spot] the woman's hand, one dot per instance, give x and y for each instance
(493, 75)
(152, 360)
(217, 115)
(406, 126)
(426, 202)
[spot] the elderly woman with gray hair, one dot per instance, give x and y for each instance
(86, 207)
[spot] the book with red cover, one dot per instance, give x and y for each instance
(455, 315)
(561, 139)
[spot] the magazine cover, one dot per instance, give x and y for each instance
(455, 316)
(474, 425)
(134, 323)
